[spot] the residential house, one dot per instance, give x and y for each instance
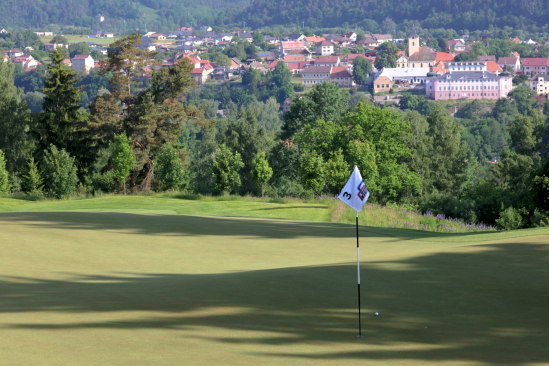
(27, 62)
(513, 62)
(83, 63)
(101, 34)
(286, 104)
(492, 66)
(468, 84)
(227, 37)
(205, 28)
(351, 35)
(185, 48)
(460, 47)
(342, 41)
(315, 75)
(314, 39)
(289, 45)
(199, 75)
(289, 59)
(368, 41)
(530, 41)
(444, 57)
(67, 62)
(382, 38)
(538, 65)
(385, 79)
(402, 62)
(486, 58)
(245, 36)
(324, 48)
(296, 37)
(40, 34)
(157, 37)
(13, 53)
(270, 40)
(3, 30)
(99, 18)
(211, 36)
(52, 46)
(342, 77)
(327, 61)
(347, 61)
(540, 83)
(516, 40)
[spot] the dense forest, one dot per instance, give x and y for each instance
(459, 15)
(120, 15)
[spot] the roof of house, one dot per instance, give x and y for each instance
(295, 36)
(507, 60)
(424, 54)
(400, 72)
(80, 57)
(543, 75)
(198, 70)
(444, 56)
(327, 59)
(382, 36)
(13, 51)
(492, 66)
(292, 44)
(340, 72)
(317, 69)
(486, 58)
(475, 75)
(367, 40)
(352, 56)
(538, 61)
(294, 58)
(324, 43)
(243, 34)
(349, 34)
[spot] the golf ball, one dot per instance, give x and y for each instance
(377, 314)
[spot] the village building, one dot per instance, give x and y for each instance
(386, 78)
(324, 48)
(83, 63)
(540, 83)
(101, 34)
(537, 65)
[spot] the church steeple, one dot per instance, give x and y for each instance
(413, 42)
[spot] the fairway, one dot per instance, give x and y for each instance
(138, 288)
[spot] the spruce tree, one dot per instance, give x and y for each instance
(32, 181)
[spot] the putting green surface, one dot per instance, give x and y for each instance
(137, 288)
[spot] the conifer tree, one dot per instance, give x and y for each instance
(32, 181)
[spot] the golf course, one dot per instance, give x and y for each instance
(169, 280)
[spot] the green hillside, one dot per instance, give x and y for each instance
(380, 15)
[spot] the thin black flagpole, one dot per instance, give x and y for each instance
(358, 272)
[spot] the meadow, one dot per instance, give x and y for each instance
(174, 279)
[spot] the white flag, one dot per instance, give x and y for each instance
(355, 193)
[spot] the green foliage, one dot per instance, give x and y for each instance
(261, 171)
(59, 172)
(170, 170)
(32, 181)
(312, 171)
(225, 168)
(524, 98)
(509, 219)
(337, 170)
(387, 56)
(4, 183)
(540, 186)
(361, 69)
(122, 157)
(79, 49)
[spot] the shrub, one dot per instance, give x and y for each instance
(4, 180)
(59, 172)
(509, 219)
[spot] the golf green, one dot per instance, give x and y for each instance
(112, 288)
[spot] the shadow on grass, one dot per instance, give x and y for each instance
(155, 224)
(487, 306)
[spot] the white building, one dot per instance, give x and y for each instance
(324, 48)
(83, 63)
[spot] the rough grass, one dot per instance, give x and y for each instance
(111, 288)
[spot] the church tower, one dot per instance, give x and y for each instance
(413, 42)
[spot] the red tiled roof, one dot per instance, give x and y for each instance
(272, 65)
(340, 72)
(535, 61)
(199, 70)
(492, 66)
(327, 59)
(294, 58)
(507, 60)
(324, 43)
(80, 57)
(444, 56)
(288, 45)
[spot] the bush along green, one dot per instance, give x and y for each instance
(59, 172)
(4, 179)
(32, 181)
(170, 168)
(509, 219)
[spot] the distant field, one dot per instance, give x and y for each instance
(161, 280)
(77, 39)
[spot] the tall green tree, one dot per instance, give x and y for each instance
(324, 102)
(122, 157)
(361, 70)
(312, 171)
(15, 121)
(261, 171)
(387, 56)
(32, 181)
(225, 168)
(61, 124)
(170, 170)
(281, 75)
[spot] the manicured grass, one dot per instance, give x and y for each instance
(156, 286)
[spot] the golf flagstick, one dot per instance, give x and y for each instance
(355, 194)
(358, 272)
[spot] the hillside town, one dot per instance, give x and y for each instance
(408, 64)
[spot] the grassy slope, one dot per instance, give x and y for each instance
(92, 288)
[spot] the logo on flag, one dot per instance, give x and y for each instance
(355, 193)
(362, 190)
